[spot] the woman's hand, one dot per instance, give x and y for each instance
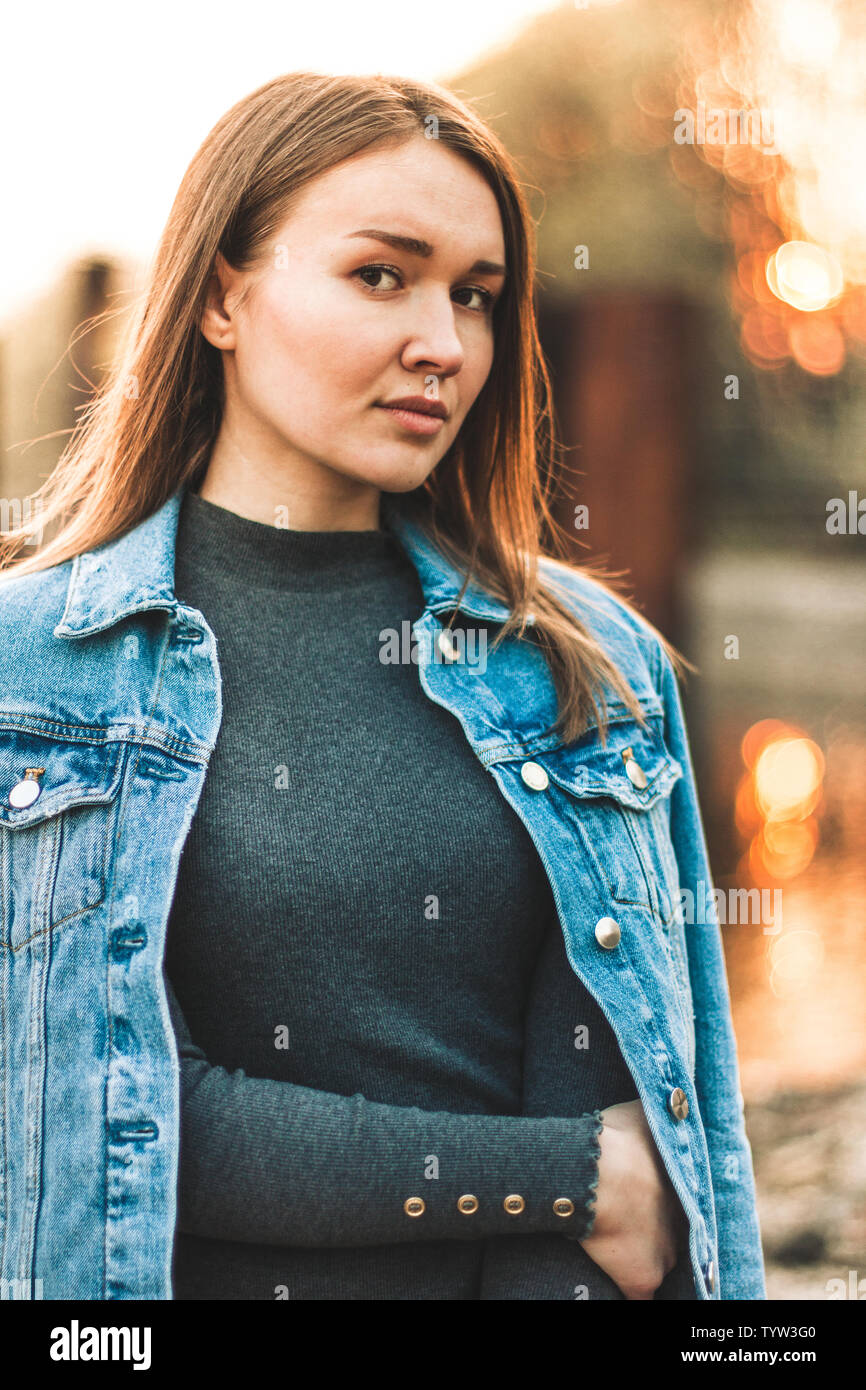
(639, 1222)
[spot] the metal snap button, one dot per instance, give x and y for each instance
(534, 776)
(446, 646)
(607, 933)
(25, 792)
(514, 1204)
(467, 1204)
(711, 1277)
(678, 1104)
(633, 770)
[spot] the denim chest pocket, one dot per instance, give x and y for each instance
(620, 794)
(58, 807)
(616, 798)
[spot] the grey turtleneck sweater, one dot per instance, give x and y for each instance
(366, 970)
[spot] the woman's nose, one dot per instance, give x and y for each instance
(435, 339)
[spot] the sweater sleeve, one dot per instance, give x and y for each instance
(571, 1062)
(275, 1163)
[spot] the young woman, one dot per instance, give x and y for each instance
(344, 830)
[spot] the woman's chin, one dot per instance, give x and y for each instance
(395, 478)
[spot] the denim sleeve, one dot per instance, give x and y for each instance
(274, 1163)
(717, 1082)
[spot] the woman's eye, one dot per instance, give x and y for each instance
(376, 271)
(486, 298)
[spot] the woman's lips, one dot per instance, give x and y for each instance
(415, 421)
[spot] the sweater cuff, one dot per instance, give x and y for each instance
(488, 1175)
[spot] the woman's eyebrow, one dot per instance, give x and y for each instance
(417, 247)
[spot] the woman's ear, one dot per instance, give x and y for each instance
(217, 323)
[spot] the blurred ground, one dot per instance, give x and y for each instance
(810, 1170)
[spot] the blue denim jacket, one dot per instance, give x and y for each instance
(110, 695)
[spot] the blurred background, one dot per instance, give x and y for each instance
(696, 170)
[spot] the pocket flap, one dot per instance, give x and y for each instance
(618, 769)
(76, 773)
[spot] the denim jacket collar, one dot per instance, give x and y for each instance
(136, 572)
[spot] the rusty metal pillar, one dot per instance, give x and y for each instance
(624, 384)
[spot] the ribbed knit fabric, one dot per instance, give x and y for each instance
(366, 970)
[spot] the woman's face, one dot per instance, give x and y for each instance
(342, 319)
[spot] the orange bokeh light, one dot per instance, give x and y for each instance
(776, 800)
(818, 347)
(788, 777)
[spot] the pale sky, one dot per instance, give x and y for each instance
(103, 104)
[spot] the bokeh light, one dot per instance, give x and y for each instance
(804, 276)
(778, 801)
(788, 76)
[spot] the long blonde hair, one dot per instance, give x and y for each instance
(150, 427)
